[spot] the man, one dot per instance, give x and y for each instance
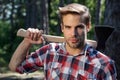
(72, 60)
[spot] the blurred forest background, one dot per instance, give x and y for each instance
(42, 14)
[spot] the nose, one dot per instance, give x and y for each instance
(75, 32)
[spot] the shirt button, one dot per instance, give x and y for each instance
(70, 71)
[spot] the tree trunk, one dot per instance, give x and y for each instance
(112, 18)
(113, 49)
(45, 17)
(31, 14)
(97, 16)
(12, 36)
(58, 29)
(112, 13)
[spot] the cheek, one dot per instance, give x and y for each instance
(81, 31)
(66, 34)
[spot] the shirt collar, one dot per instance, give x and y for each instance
(61, 49)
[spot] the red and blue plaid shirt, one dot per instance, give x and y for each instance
(59, 65)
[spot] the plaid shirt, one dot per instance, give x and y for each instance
(59, 65)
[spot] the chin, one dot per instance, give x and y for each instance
(73, 45)
(79, 45)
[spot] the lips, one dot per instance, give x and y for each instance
(73, 40)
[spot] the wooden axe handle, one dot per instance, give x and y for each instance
(22, 33)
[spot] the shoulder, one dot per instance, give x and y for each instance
(97, 56)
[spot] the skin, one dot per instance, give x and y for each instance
(74, 32)
(75, 37)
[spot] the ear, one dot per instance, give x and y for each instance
(88, 27)
(62, 27)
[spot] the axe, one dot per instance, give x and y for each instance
(50, 38)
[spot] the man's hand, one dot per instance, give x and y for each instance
(34, 36)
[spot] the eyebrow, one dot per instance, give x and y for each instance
(81, 24)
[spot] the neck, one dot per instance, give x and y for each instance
(74, 51)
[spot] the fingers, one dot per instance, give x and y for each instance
(35, 34)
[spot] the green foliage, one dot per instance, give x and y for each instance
(4, 34)
(53, 18)
(90, 34)
(6, 47)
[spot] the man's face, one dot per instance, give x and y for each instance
(74, 31)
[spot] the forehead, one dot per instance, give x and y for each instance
(71, 19)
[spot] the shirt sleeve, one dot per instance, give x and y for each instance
(111, 73)
(34, 61)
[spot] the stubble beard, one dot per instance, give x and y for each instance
(80, 43)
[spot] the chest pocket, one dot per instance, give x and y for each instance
(55, 69)
(82, 75)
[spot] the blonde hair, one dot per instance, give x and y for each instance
(75, 8)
